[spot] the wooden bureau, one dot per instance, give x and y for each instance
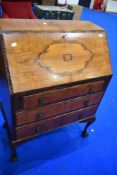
(52, 73)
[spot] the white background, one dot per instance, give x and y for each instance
(75, 2)
(111, 6)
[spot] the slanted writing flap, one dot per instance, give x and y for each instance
(38, 60)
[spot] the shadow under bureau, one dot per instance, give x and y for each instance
(52, 73)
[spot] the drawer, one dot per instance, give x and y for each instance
(53, 123)
(59, 95)
(57, 109)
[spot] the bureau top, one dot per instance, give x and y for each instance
(46, 25)
(36, 60)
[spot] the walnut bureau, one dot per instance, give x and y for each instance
(52, 73)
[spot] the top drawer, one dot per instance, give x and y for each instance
(50, 97)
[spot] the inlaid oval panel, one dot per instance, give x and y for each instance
(72, 59)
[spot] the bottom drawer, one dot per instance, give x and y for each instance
(53, 123)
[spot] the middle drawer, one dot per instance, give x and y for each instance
(41, 113)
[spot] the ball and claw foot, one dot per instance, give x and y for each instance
(4, 125)
(85, 134)
(14, 155)
(13, 158)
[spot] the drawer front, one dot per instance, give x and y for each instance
(53, 123)
(57, 109)
(59, 95)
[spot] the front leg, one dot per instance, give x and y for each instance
(4, 125)
(89, 122)
(13, 153)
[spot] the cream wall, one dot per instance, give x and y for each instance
(75, 2)
(111, 6)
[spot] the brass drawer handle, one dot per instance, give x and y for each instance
(39, 116)
(85, 103)
(37, 130)
(80, 116)
(90, 90)
(41, 101)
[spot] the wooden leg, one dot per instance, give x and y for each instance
(4, 125)
(13, 154)
(89, 122)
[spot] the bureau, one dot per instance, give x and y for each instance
(52, 73)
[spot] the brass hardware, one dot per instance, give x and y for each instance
(41, 100)
(86, 103)
(37, 130)
(80, 116)
(39, 116)
(90, 90)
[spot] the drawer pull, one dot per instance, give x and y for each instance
(37, 130)
(85, 103)
(90, 90)
(41, 101)
(39, 115)
(80, 116)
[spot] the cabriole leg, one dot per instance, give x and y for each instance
(13, 154)
(85, 132)
(4, 125)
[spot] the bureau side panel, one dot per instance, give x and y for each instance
(5, 87)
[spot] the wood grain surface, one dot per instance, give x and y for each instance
(57, 109)
(53, 123)
(39, 60)
(41, 99)
(46, 25)
(56, 73)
